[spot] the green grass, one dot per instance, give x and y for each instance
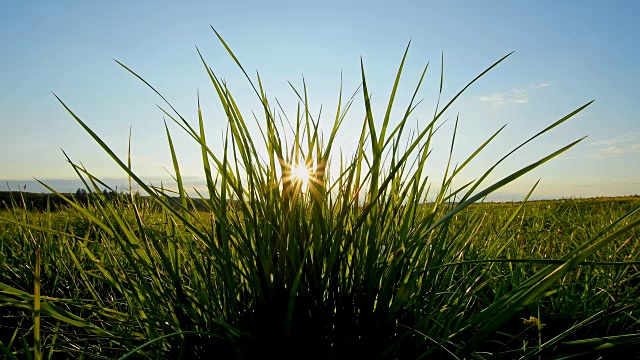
(358, 265)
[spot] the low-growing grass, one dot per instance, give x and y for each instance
(354, 264)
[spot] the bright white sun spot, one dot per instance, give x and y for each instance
(299, 172)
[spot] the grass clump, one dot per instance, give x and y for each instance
(352, 264)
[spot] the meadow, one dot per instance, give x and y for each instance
(290, 260)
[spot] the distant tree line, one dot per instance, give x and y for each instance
(40, 201)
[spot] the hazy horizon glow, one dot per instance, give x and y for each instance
(564, 56)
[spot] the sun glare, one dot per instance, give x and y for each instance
(300, 173)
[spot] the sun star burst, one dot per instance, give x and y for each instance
(300, 173)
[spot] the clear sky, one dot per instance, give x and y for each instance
(566, 54)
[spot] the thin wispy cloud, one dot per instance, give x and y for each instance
(542, 85)
(623, 144)
(617, 150)
(513, 96)
(628, 137)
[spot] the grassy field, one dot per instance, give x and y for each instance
(89, 280)
(282, 258)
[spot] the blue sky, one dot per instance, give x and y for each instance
(566, 54)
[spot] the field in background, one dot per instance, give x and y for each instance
(542, 230)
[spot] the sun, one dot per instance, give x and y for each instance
(300, 173)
